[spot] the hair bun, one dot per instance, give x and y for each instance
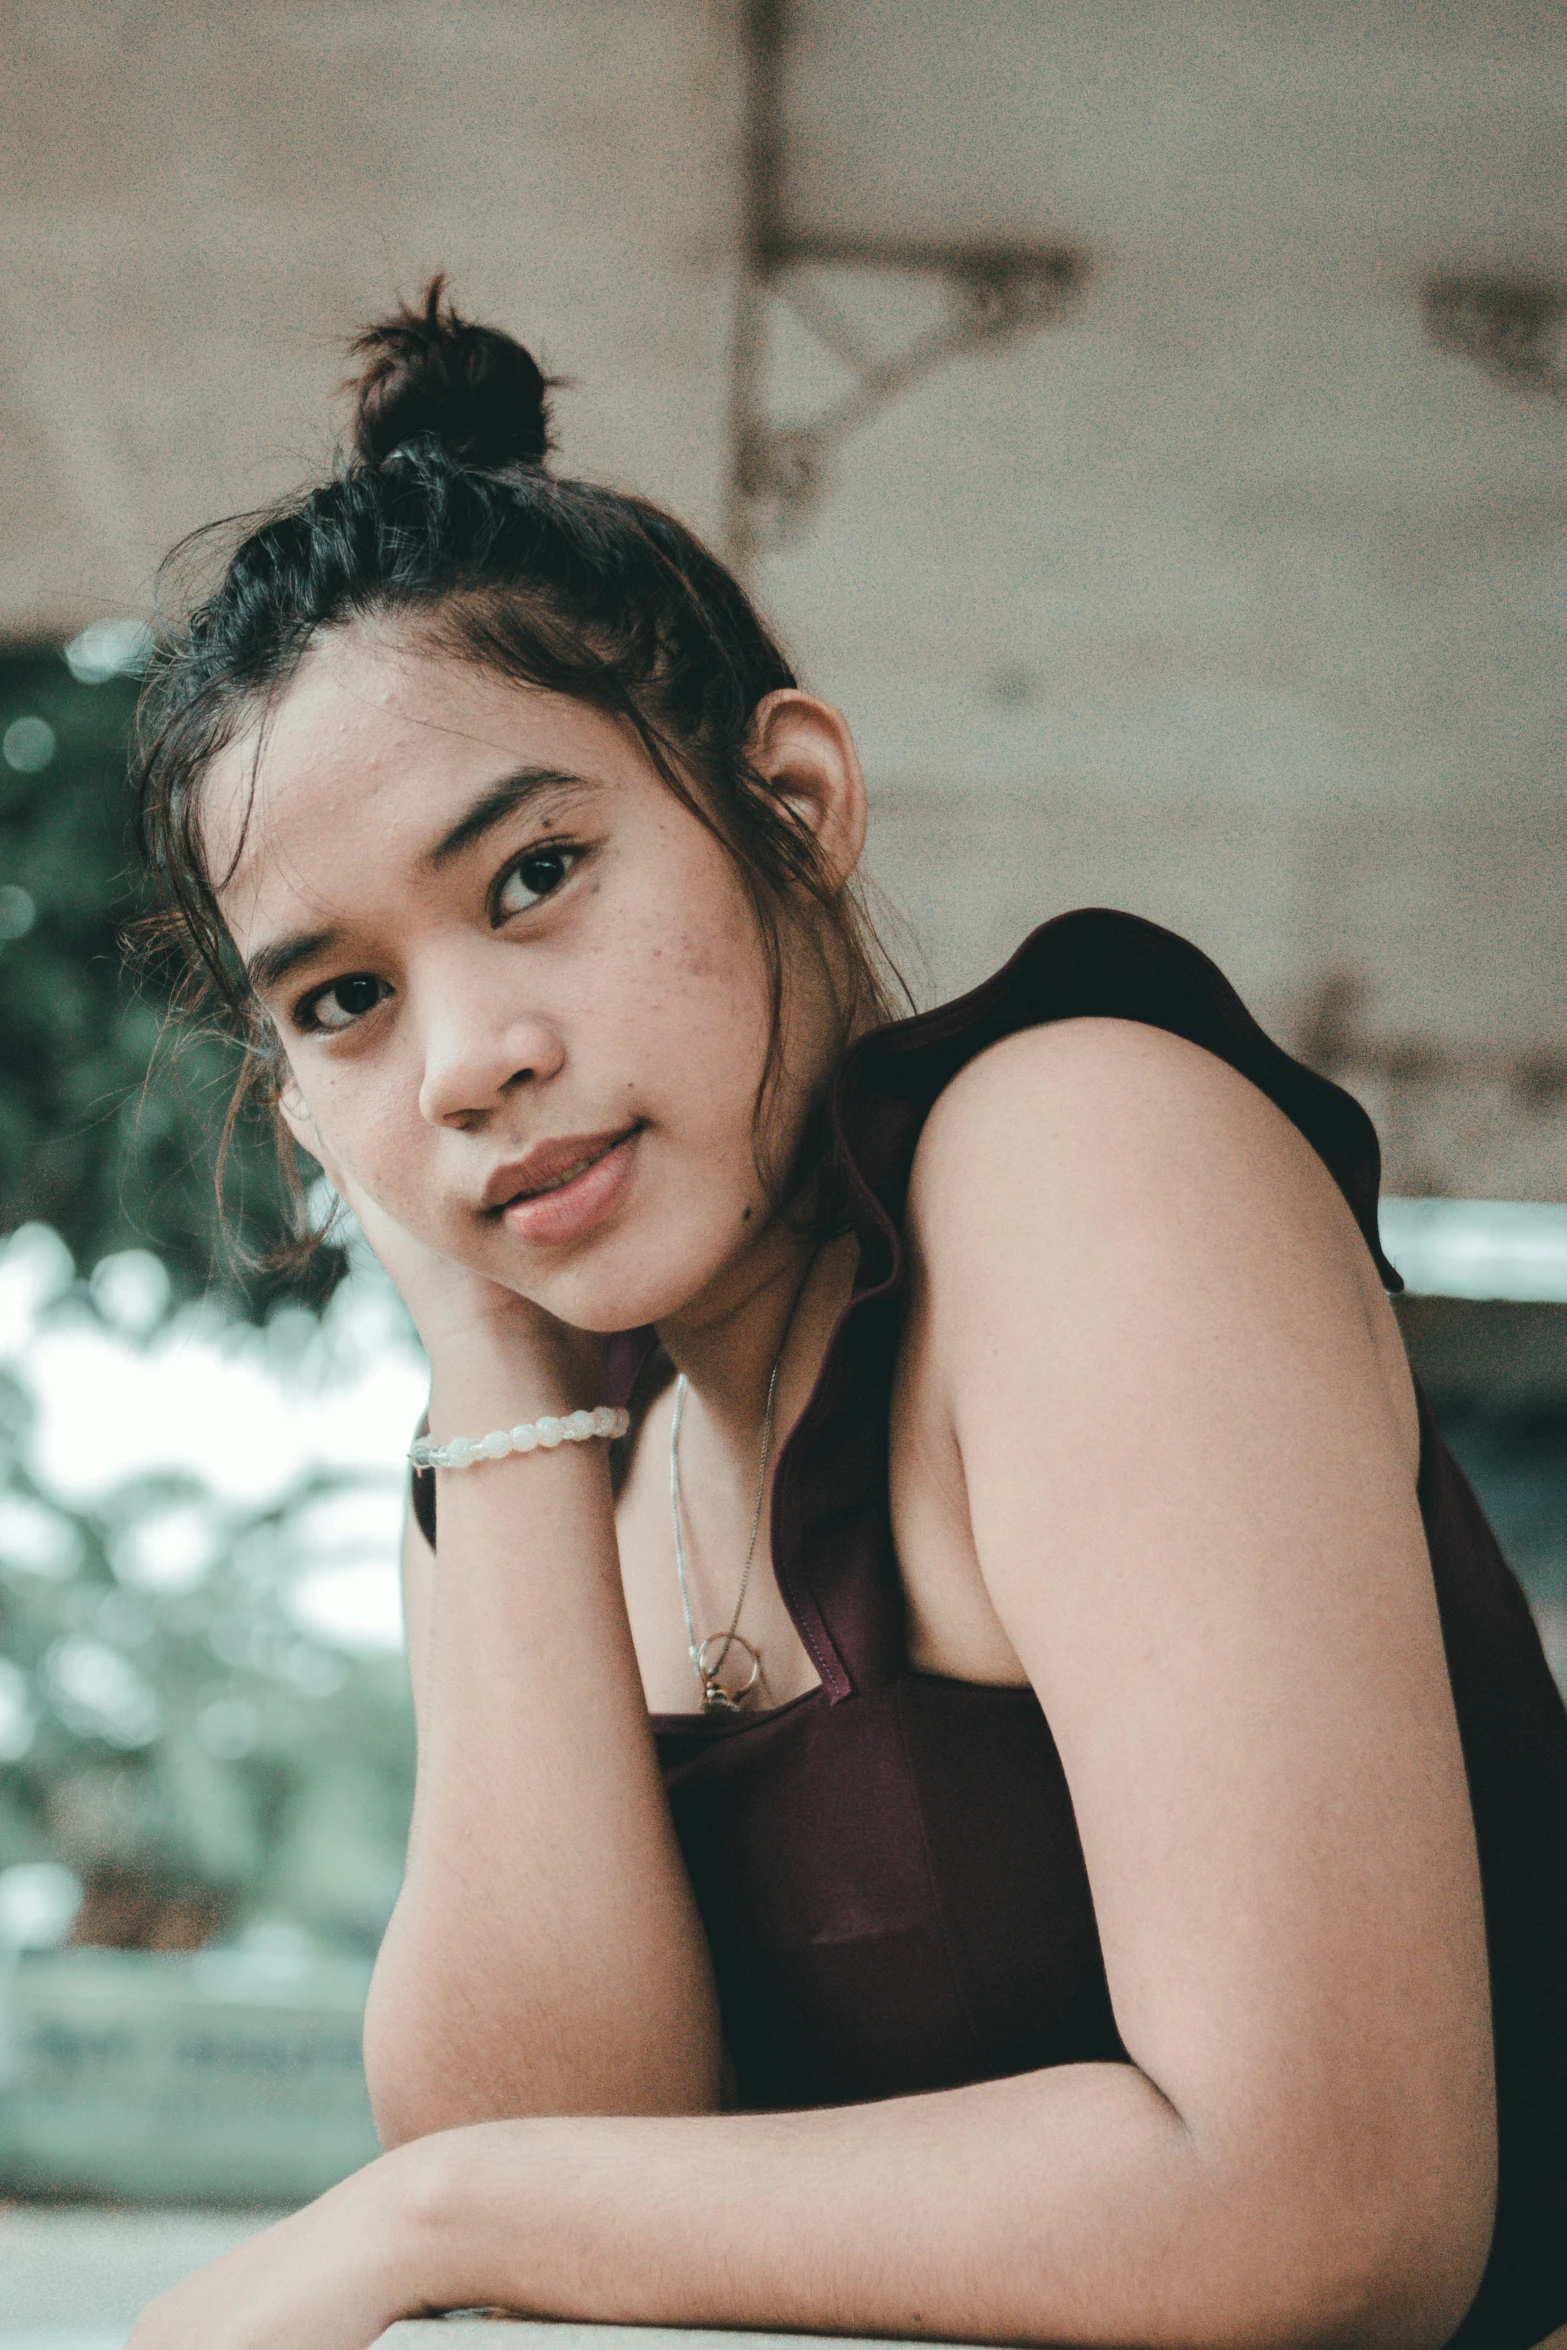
(428, 374)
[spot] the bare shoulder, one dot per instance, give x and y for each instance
(1070, 1083)
(1115, 1113)
(1098, 1157)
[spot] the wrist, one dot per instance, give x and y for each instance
(472, 1400)
(417, 2202)
(486, 1378)
(446, 2257)
(391, 2222)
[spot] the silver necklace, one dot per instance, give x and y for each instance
(716, 1699)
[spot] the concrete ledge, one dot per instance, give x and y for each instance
(510, 2333)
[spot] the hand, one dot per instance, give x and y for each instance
(439, 1292)
(494, 1340)
(331, 2277)
(486, 1332)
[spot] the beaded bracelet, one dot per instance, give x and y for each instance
(576, 1428)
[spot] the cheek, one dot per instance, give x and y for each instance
(694, 1006)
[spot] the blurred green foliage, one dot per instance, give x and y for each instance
(190, 1736)
(108, 1123)
(172, 1728)
(197, 1743)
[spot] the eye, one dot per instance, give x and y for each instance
(337, 1007)
(534, 876)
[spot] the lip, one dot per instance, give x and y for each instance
(564, 1188)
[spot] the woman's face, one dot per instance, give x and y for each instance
(519, 986)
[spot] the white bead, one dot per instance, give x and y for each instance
(576, 1427)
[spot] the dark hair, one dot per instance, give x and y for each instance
(441, 512)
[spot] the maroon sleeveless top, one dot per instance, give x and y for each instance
(888, 1868)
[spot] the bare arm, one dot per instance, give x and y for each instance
(545, 1954)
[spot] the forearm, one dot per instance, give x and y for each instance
(1067, 2206)
(546, 1954)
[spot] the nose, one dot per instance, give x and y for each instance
(478, 1053)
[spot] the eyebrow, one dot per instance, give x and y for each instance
(496, 803)
(270, 965)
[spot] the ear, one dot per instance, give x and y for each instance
(805, 750)
(302, 1126)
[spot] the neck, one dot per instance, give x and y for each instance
(782, 1300)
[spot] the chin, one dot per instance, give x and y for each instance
(585, 1301)
(633, 1277)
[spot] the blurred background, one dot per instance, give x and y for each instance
(1149, 422)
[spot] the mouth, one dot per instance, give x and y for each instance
(563, 1189)
(550, 1166)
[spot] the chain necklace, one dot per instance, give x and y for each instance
(716, 1699)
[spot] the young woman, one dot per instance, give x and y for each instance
(1019, 1802)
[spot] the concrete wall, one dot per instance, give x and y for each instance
(1229, 599)
(199, 202)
